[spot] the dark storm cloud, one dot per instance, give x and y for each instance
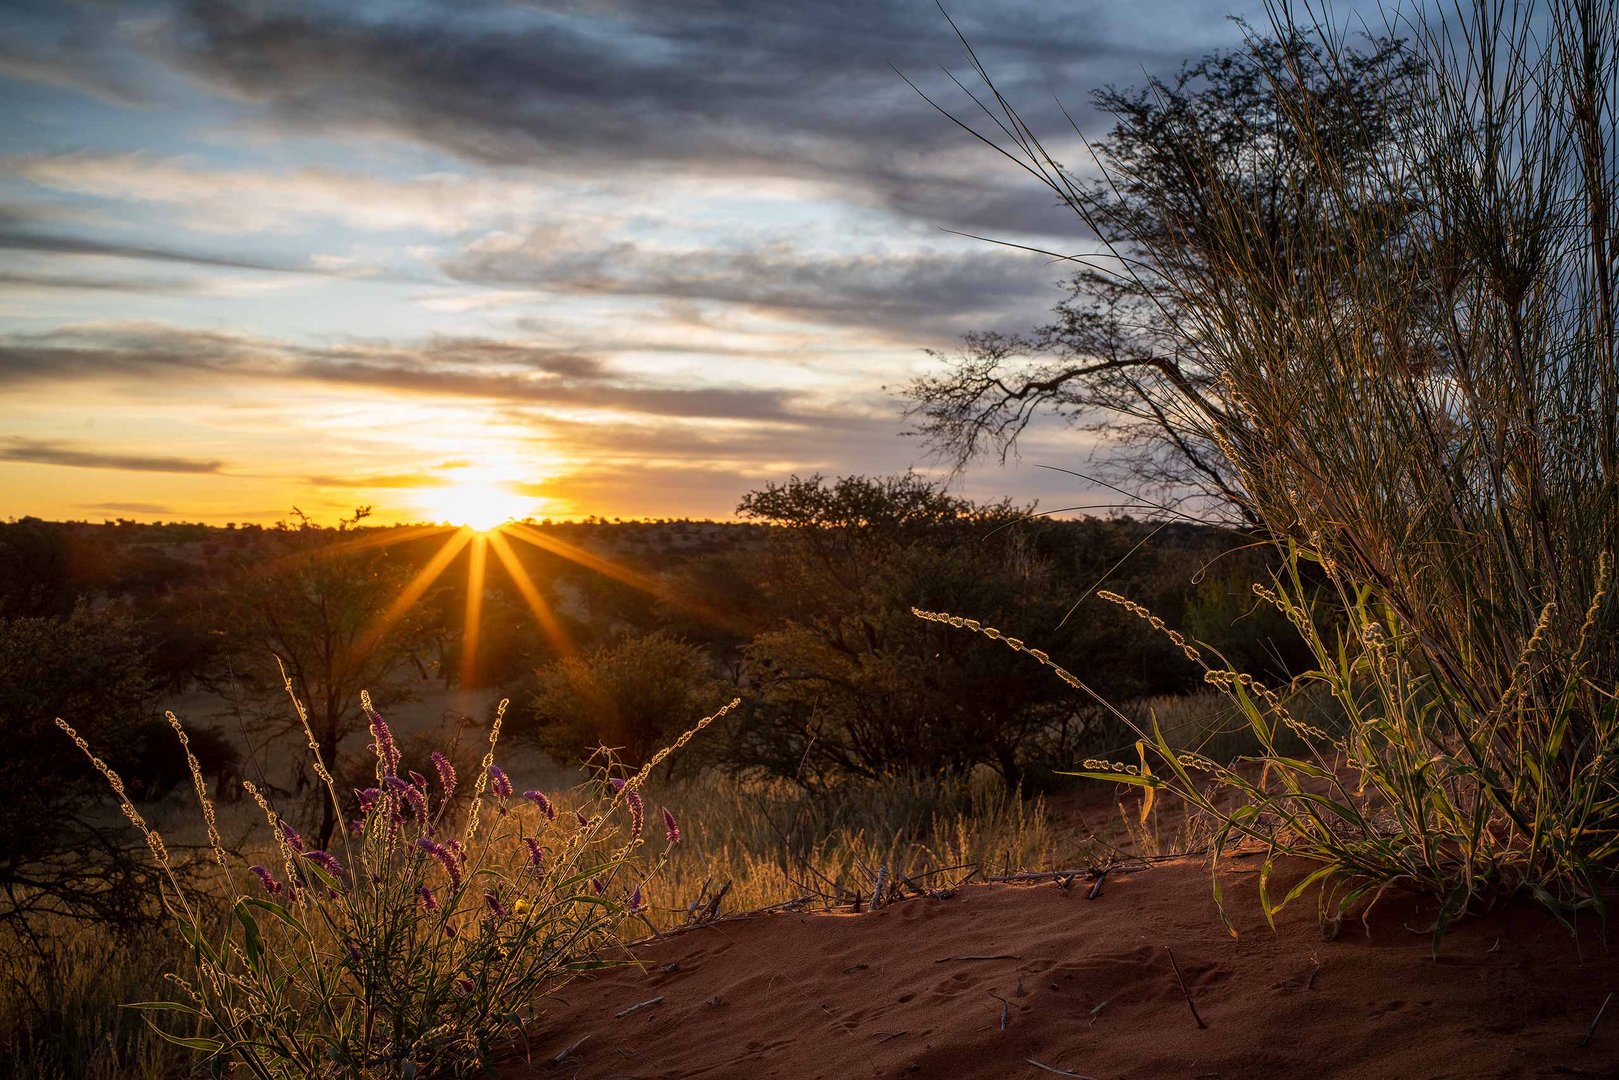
(899, 291)
(42, 452)
(754, 87)
(455, 367)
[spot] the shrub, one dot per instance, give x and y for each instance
(418, 943)
(1420, 387)
(628, 695)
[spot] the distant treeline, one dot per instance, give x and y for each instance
(622, 632)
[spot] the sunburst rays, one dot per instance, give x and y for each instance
(478, 544)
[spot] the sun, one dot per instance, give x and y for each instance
(477, 500)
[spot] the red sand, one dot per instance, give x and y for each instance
(898, 992)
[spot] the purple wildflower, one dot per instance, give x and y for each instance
(536, 854)
(326, 861)
(266, 879)
(584, 822)
(290, 836)
(354, 950)
(617, 782)
(596, 883)
(429, 901)
(446, 858)
(499, 783)
(368, 798)
(495, 905)
(538, 799)
(637, 813)
(446, 773)
(670, 828)
(635, 899)
(412, 795)
(418, 779)
(464, 985)
(387, 753)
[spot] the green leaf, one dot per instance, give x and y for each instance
(252, 941)
(277, 910)
(206, 1046)
(160, 1006)
(194, 939)
(1120, 778)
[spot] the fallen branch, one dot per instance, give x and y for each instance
(638, 1006)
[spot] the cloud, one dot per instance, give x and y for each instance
(42, 452)
(87, 55)
(376, 480)
(903, 290)
(239, 200)
(13, 238)
(129, 507)
(495, 370)
(741, 88)
(17, 280)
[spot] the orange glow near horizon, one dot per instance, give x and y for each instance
(479, 498)
(478, 542)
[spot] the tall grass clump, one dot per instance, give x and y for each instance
(1410, 358)
(767, 840)
(423, 941)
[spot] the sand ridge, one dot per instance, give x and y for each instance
(1026, 980)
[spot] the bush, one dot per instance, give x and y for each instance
(630, 695)
(1419, 368)
(416, 945)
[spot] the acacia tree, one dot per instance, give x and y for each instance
(1116, 360)
(853, 683)
(321, 606)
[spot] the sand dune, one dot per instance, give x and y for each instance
(1001, 977)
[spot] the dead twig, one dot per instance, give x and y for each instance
(795, 902)
(711, 909)
(560, 1058)
(1592, 1030)
(997, 956)
(1054, 1069)
(648, 1003)
(1182, 980)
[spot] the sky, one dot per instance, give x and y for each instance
(621, 257)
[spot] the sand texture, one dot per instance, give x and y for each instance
(1000, 976)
